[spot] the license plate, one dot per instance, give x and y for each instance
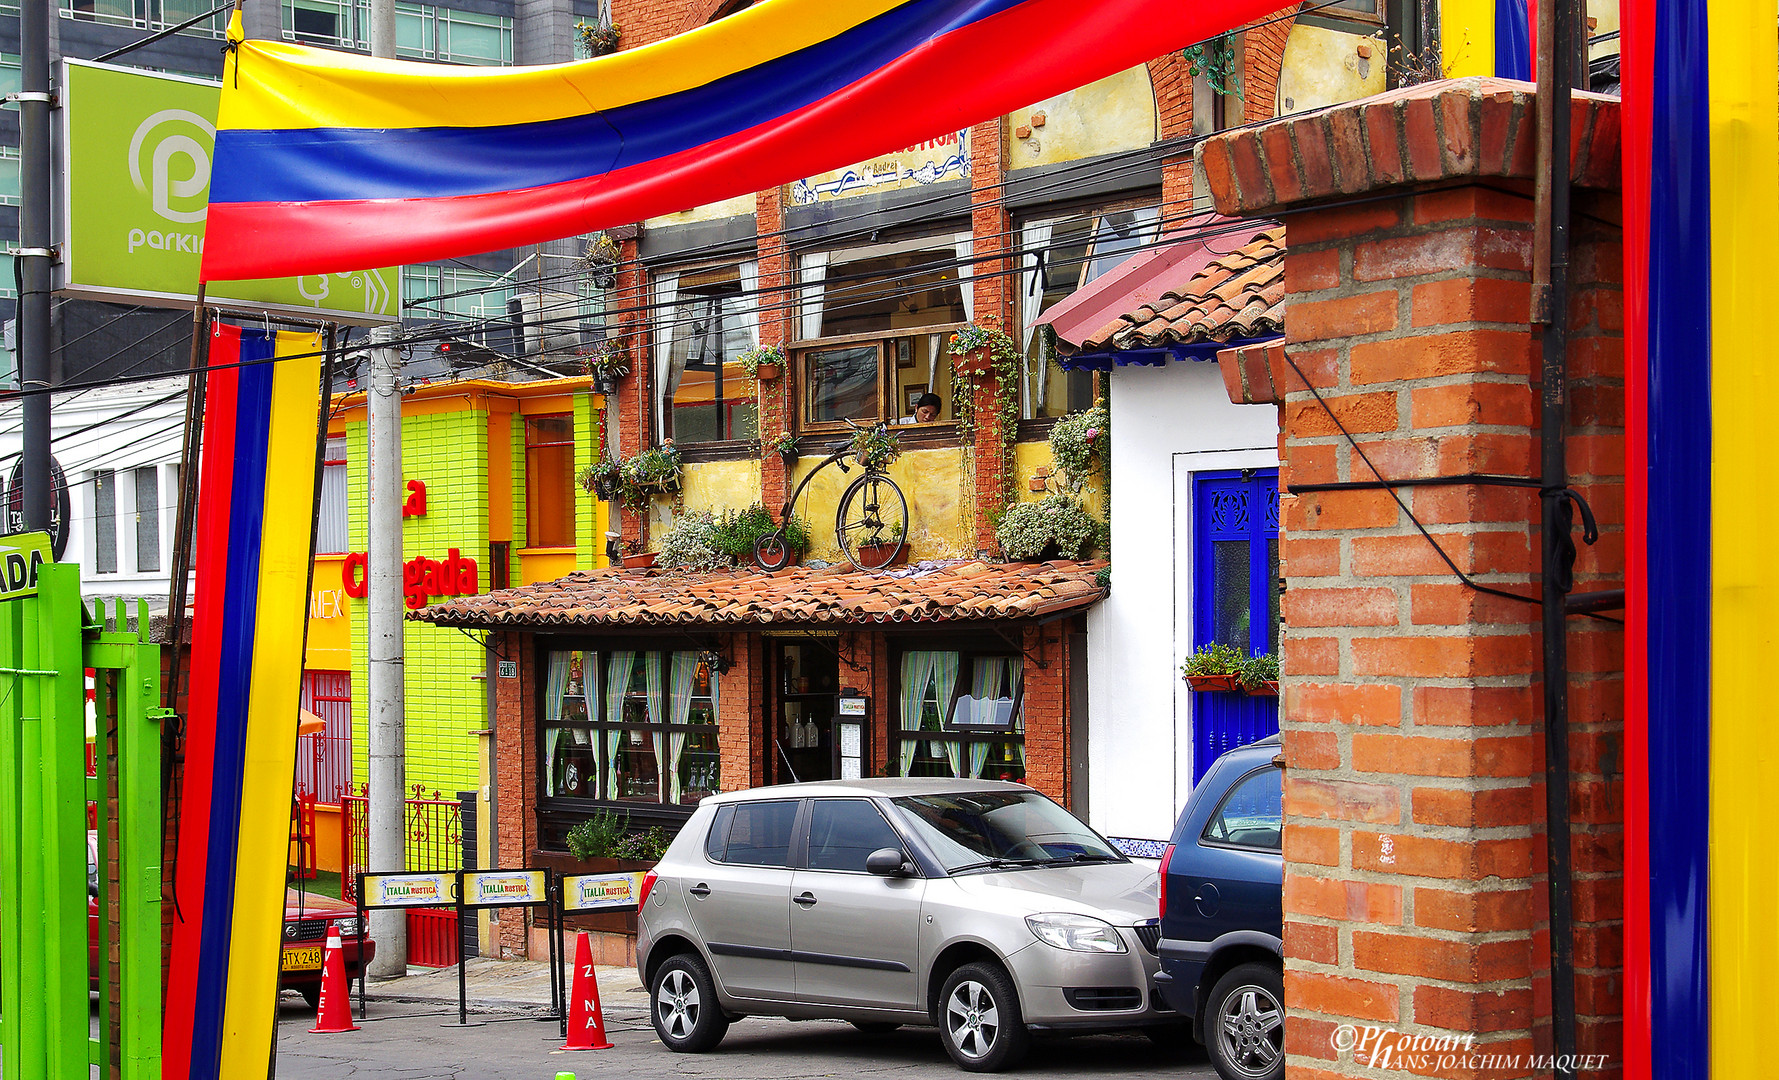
(304, 959)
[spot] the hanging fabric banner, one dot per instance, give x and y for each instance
(327, 161)
(256, 491)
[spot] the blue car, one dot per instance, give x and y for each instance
(1222, 925)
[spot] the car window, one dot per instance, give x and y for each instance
(977, 828)
(843, 832)
(718, 838)
(759, 834)
(1252, 813)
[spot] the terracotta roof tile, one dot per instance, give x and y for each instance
(927, 592)
(1239, 295)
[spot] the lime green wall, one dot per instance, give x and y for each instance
(444, 703)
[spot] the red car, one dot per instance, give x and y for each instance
(306, 916)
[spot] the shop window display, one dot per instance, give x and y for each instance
(631, 727)
(959, 715)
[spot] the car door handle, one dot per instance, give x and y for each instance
(807, 900)
(700, 890)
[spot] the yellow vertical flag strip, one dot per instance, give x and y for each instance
(270, 753)
(1744, 112)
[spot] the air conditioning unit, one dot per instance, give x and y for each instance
(549, 325)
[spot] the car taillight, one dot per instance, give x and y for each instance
(648, 883)
(1167, 856)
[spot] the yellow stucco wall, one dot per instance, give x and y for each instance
(1324, 67)
(1115, 113)
(329, 644)
(738, 206)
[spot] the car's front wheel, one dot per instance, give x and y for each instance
(979, 1019)
(683, 1005)
(1245, 1023)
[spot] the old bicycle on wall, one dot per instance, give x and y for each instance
(871, 524)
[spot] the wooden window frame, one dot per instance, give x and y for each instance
(533, 490)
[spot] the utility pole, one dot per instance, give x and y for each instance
(386, 648)
(34, 247)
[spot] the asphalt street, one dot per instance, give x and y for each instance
(405, 1041)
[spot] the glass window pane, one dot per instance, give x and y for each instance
(700, 771)
(844, 832)
(1252, 814)
(635, 769)
(9, 73)
(1272, 596)
(148, 520)
(842, 383)
(549, 481)
(573, 763)
(105, 521)
(1230, 597)
(760, 833)
(9, 177)
(413, 31)
(331, 529)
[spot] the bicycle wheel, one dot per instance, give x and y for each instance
(871, 526)
(771, 552)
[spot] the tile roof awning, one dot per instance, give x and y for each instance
(1221, 284)
(743, 599)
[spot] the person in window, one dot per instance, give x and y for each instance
(926, 410)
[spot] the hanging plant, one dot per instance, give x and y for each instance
(784, 444)
(1215, 60)
(1081, 445)
(599, 39)
(979, 353)
(1056, 527)
(603, 478)
(654, 471)
(606, 360)
(764, 362)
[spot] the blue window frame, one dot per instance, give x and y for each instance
(1235, 600)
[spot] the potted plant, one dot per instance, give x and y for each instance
(607, 362)
(599, 39)
(655, 470)
(875, 447)
(691, 544)
(1214, 667)
(890, 552)
(976, 349)
(763, 362)
(603, 478)
(784, 444)
(738, 531)
(1055, 527)
(638, 559)
(1259, 675)
(1080, 444)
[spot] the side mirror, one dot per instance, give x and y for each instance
(886, 862)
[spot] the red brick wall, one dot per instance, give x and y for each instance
(741, 740)
(1046, 710)
(1415, 890)
(515, 763)
(991, 227)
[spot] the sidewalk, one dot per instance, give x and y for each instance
(512, 984)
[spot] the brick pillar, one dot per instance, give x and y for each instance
(777, 313)
(1046, 707)
(1171, 80)
(1415, 898)
(990, 225)
(632, 397)
(742, 741)
(515, 764)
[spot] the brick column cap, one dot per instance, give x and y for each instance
(1419, 135)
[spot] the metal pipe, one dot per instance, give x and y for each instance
(1556, 70)
(35, 249)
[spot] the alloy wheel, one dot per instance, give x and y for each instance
(972, 1019)
(678, 1004)
(1251, 1029)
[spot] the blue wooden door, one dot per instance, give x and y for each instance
(1235, 600)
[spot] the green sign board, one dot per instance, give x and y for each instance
(136, 150)
(20, 556)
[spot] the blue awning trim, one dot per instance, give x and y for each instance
(1156, 357)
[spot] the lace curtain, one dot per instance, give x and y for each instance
(617, 680)
(670, 746)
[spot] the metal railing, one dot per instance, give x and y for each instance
(434, 827)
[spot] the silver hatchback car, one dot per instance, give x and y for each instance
(981, 907)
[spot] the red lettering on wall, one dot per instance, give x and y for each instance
(416, 504)
(357, 575)
(422, 578)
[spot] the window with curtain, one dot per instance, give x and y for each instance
(331, 529)
(705, 321)
(959, 715)
(1060, 256)
(625, 726)
(148, 519)
(549, 480)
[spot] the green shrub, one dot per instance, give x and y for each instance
(1255, 670)
(598, 836)
(691, 544)
(1215, 659)
(1055, 527)
(1081, 445)
(737, 531)
(648, 845)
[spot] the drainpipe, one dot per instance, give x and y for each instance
(1556, 72)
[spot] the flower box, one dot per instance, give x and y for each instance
(768, 372)
(641, 560)
(878, 556)
(1218, 683)
(1269, 688)
(975, 362)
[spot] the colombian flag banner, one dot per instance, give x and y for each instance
(327, 161)
(1701, 219)
(256, 492)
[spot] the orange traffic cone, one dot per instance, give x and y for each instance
(335, 1013)
(586, 1022)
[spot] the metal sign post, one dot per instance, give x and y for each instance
(593, 892)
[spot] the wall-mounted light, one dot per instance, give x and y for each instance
(715, 660)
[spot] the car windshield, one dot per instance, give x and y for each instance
(992, 829)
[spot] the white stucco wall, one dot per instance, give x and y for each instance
(1167, 423)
